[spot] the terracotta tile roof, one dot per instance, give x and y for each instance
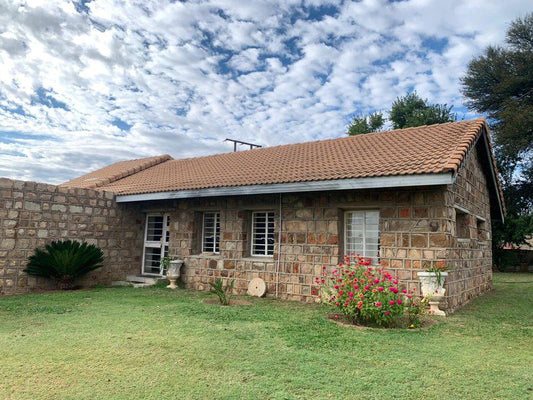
(421, 150)
(114, 172)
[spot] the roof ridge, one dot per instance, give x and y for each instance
(150, 162)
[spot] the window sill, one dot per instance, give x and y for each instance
(205, 255)
(259, 258)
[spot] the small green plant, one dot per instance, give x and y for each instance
(438, 270)
(64, 261)
(165, 264)
(222, 291)
(415, 307)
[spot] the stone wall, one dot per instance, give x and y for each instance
(413, 226)
(470, 249)
(33, 214)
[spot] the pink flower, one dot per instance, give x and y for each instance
(350, 294)
(336, 286)
(378, 304)
(360, 305)
(399, 301)
(376, 280)
(404, 291)
(380, 289)
(391, 302)
(387, 313)
(341, 292)
(393, 289)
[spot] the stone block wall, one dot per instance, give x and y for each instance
(470, 246)
(413, 227)
(33, 214)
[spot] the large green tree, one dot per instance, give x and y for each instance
(407, 111)
(499, 83)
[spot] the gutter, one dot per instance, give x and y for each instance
(298, 187)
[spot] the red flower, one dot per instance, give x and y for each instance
(380, 289)
(360, 305)
(391, 302)
(399, 301)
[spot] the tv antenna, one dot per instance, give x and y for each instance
(235, 142)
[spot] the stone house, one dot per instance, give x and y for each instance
(408, 199)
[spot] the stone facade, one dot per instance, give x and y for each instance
(33, 214)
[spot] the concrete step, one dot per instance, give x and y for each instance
(145, 280)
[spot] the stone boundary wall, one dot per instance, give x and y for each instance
(33, 214)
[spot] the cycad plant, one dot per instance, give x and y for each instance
(223, 292)
(64, 261)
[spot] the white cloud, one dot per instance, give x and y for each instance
(185, 75)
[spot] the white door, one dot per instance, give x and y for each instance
(156, 238)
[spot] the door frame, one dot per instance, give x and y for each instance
(155, 244)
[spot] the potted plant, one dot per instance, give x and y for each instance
(172, 269)
(432, 286)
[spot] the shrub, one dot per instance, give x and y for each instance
(64, 261)
(415, 306)
(223, 292)
(365, 294)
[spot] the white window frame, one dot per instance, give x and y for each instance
(161, 244)
(266, 233)
(216, 232)
(363, 252)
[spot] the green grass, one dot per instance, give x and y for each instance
(126, 343)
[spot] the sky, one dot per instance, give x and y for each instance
(84, 83)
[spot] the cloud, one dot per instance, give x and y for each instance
(85, 84)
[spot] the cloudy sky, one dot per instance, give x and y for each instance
(87, 83)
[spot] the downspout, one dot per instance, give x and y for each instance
(279, 249)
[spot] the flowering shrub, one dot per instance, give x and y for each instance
(363, 293)
(415, 306)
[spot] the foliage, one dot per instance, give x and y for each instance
(407, 111)
(366, 124)
(412, 110)
(415, 307)
(165, 264)
(500, 83)
(222, 291)
(65, 261)
(363, 293)
(437, 270)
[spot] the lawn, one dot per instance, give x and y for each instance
(152, 343)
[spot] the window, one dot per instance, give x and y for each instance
(462, 224)
(481, 225)
(361, 233)
(263, 233)
(211, 232)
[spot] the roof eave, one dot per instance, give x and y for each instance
(298, 187)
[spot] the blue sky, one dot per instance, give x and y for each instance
(87, 83)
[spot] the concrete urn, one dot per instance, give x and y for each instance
(174, 273)
(433, 289)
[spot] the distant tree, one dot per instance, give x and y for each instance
(499, 83)
(366, 124)
(409, 110)
(412, 110)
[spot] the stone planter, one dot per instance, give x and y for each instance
(432, 290)
(174, 273)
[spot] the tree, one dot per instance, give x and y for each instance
(412, 110)
(366, 124)
(407, 111)
(499, 83)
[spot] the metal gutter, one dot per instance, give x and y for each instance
(298, 187)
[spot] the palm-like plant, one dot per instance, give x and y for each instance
(64, 261)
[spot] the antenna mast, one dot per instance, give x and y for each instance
(235, 142)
